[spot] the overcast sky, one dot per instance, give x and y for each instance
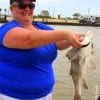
(64, 7)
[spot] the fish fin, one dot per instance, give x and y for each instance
(72, 56)
(82, 61)
(67, 55)
(85, 85)
(92, 63)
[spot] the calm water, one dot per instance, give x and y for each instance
(64, 88)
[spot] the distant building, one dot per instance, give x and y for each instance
(44, 13)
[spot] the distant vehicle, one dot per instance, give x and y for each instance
(85, 19)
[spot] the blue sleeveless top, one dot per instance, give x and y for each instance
(28, 73)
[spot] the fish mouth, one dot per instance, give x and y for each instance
(87, 39)
(85, 45)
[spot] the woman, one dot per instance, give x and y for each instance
(27, 51)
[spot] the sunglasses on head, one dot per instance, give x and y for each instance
(24, 5)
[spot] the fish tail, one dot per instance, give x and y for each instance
(85, 85)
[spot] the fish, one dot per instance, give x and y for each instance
(81, 59)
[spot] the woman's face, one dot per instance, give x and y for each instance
(23, 12)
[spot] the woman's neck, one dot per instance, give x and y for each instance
(24, 23)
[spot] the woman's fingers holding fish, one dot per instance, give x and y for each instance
(75, 39)
(79, 36)
(76, 42)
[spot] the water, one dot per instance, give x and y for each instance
(64, 88)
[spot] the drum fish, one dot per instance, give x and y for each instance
(80, 59)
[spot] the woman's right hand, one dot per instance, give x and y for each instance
(74, 39)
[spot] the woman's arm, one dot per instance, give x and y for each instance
(61, 45)
(24, 39)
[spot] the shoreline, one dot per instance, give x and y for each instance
(58, 22)
(62, 23)
(72, 24)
